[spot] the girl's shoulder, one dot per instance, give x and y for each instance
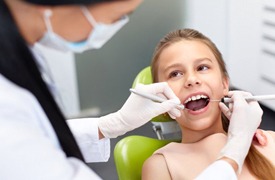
(271, 133)
(264, 139)
(155, 168)
(268, 149)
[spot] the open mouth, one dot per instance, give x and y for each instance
(196, 102)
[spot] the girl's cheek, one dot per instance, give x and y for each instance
(175, 87)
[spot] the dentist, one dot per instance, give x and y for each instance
(36, 140)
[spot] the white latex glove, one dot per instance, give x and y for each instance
(138, 110)
(245, 117)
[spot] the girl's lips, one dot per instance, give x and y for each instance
(197, 112)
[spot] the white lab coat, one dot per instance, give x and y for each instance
(29, 148)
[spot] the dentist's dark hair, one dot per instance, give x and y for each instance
(18, 65)
(257, 164)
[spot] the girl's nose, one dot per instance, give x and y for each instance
(192, 80)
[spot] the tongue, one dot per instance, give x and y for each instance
(196, 105)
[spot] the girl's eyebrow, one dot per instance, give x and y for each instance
(172, 66)
(175, 65)
(203, 59)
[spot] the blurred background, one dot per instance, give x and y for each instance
(97, 82)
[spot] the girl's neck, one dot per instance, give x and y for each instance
(193, 136)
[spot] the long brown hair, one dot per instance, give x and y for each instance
(257, 164)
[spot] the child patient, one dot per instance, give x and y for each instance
(194, 68)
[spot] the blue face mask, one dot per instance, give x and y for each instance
(100, 34)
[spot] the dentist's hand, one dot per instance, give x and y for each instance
(138, 110)
(245, 117)
(259, 136)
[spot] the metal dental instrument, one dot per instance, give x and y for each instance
(253, 98)
(154, 97)
(224, 100)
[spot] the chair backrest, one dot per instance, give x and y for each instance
(131, 152)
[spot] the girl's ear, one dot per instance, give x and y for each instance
(225, 85)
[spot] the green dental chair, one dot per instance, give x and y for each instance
(131, 152)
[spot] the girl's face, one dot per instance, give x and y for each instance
(193, 73)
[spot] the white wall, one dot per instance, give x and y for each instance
(211, 18)
(250, 67)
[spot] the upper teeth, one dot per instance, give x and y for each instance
(193, 98)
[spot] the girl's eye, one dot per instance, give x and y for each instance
(203, 68)
(175, 74)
